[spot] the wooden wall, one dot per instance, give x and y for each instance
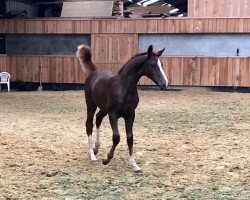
(125, 26)
(208, 71)
(116, 48)
(113, 42)
(218, 8)
(189, 71)
(3, 63)
(55, 69)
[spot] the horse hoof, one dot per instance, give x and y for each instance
(105, 161)
(92, 157)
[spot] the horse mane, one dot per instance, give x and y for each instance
(85, 57)
(139, 54)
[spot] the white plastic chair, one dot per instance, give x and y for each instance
(5, 79)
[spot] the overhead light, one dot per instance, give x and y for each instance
(146, 2)
(150, 2)
(141, 2)
(174, 10)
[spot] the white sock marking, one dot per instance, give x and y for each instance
(162, 72)
(97, 142)
(133, 164)
(90, 149)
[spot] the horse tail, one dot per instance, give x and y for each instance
(85, 57)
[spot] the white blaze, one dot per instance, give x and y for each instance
(162, 72)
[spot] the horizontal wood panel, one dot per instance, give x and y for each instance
(190, 71)
(218, 8)
(110, 26)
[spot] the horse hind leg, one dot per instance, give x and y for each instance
(116, 138)
(99, 117)
(89, 129)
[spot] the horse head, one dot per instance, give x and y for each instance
(152, 68)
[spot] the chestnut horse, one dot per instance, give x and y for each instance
(117, 96)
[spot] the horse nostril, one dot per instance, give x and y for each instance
(163, 86)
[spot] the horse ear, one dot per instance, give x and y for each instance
(150, 49)
(160, 52)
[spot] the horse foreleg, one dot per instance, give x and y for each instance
(99, 117)
(129, 120)
(116, 138)
(89, 130)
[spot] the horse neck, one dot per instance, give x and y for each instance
(130, 73)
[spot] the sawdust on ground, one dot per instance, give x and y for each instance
(192, 143)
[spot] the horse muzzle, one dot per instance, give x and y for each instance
(163, 86)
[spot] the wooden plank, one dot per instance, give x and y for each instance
(230, 71)
(20, 26)
(81, 26)
(221, 8)
(247, 74)
(64, 26)
(204, 72)
(236, 72)
(3, 63)
(44, 62)
(4, 26)
(114, 48)
(223, 69)
(125, 26)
